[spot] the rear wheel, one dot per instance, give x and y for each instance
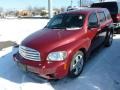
(77, 64)
(109, 39)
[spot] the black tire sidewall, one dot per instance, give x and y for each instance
(108, 43)
(71, 74)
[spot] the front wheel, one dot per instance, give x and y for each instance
(109, 39)
(77, 64)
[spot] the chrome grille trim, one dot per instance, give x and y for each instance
(29, 53)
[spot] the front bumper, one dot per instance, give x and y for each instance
(45, 69)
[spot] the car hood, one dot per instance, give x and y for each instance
(48, 39)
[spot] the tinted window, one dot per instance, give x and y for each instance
(57, 20)
(102, 17)
(107, 14)
(66, 21)
(111, 6)
(93, 19)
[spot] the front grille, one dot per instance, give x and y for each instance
(29, 53)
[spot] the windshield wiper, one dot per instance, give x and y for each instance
(57, 28)
(73, 28)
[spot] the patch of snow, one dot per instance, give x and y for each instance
(3, 52)
(17, 29)
(32, 86)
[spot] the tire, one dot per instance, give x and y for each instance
(109, 39)
(77, 64)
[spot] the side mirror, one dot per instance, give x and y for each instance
(93, 25)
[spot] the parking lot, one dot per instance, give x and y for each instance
(101, 72)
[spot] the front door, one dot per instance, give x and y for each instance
(93, 31)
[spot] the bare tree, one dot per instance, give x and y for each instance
(56, 11)
(43, 13)
(1, 12)
(38, 10)
(1, 9)
(101, 0)
(62, 9)
(85, 2)
(29, 8)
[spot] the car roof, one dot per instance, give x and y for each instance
(85, 10)
(108, 2)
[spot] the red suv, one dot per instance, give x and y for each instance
(61, 48)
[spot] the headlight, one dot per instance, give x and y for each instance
(57, 56)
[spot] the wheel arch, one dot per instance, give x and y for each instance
(84, 51)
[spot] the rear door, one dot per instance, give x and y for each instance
(102, 28)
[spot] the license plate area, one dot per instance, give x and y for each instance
(27, 68)
(22, 67)
(33, 69)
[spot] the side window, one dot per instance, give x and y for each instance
(102, 17)
(93, 20)
(108, 15)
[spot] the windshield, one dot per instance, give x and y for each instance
(63, 21)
